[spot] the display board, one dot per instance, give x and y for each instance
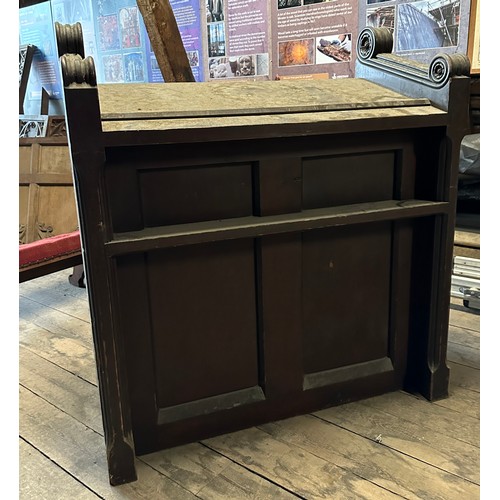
(243, 39)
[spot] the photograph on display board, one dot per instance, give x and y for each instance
(193, 58)
(108, 33)
(219, 67)
(285, 4)
(262, 64)
(242, 65)
(216, 40)
(129, 28)
(215, 10)
(421, 28)
(113, 68)
(133, 66)
(334, 48)
(381, 17)
(427, 25)
(296, 52)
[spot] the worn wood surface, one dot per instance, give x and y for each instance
(397, 445)
(133, 131)
(153, 101)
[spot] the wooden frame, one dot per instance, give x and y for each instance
(265, 263)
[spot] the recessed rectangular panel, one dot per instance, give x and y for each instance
(346, 276)
(54, 159)
(203, 315)
(344, 180)
(183, 195)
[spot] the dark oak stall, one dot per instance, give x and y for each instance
(263, 249)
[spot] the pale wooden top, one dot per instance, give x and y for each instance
(334, 120)
(212, 99)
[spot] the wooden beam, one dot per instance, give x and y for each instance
(166, 40)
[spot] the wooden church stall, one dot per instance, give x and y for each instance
(259, 250)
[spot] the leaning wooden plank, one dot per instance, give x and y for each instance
(370, 460)
(39, 478)
(411, 438)
(299, 470)
(79, 450)
(166, 40)
(417, 410)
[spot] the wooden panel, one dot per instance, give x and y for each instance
(56, 208)
(203, 316)
(348, 179)
(54, 159)
(345, 296)
(48, 208)
(176, 196)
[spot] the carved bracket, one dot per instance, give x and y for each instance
(374, 47)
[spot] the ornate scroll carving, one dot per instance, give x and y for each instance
(43, 231)
(374, 47)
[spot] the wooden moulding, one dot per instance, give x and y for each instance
(320, 274)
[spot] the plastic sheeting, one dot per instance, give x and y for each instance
(469, 155)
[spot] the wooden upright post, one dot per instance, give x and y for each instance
(166, 40)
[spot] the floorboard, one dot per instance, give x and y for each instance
(397, 445)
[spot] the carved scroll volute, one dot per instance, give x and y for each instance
(444, 66)
(77, 70)
(374, 41)
(374, 47)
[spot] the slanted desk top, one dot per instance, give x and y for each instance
(246, 109)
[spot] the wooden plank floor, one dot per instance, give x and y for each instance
(393, 446)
